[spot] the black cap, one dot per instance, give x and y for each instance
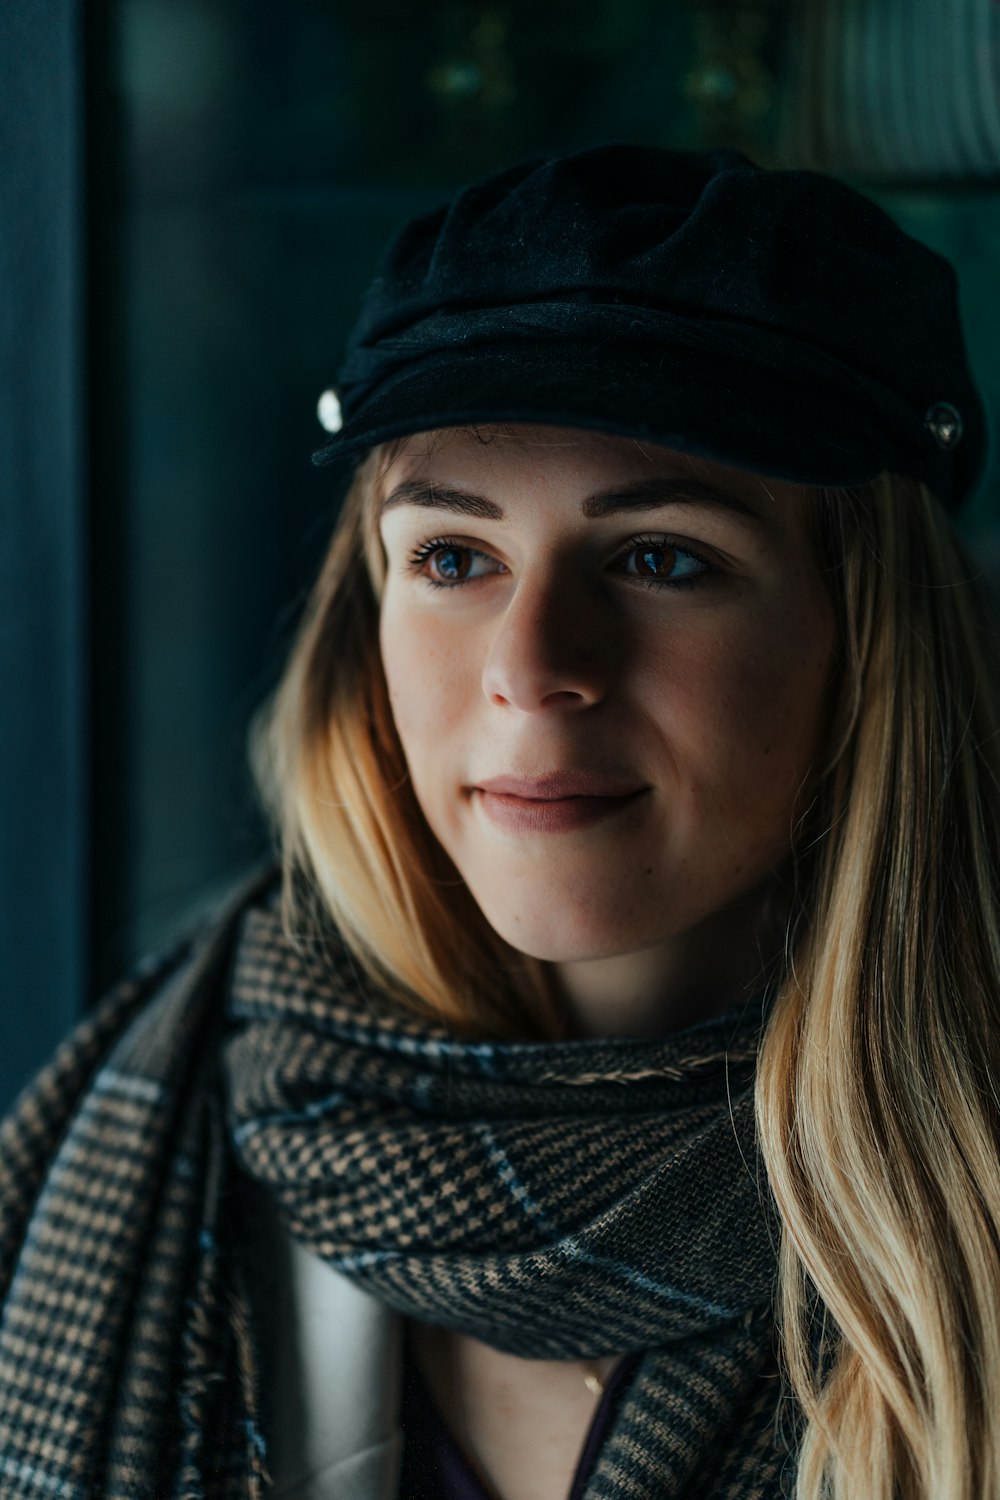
(776, 320)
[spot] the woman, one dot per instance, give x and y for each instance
(625, 1015)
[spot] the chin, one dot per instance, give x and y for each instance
(565, 941)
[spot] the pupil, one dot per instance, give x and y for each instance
(653, 559)
(450, 563)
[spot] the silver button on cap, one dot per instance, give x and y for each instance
(328, 410)
(944, 423)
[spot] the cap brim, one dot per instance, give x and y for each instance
(754, 416)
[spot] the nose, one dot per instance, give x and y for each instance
(549, 649)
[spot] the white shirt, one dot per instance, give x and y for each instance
(332, 1358)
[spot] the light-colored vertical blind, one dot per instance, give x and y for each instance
(902, 89)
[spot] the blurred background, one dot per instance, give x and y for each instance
(192, 197)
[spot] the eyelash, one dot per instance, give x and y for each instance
(426, 550)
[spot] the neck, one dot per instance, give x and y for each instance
(676, 983)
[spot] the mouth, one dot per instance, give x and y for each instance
(555, 803)
(557, 786)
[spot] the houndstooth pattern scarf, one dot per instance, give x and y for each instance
(558, 1200)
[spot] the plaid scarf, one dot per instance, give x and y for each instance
(558, 1200)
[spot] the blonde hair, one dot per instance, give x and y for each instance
(876, 1095)
(877, 1104)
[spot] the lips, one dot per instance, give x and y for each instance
(554, 786)
(557, 802)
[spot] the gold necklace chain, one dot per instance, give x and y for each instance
(592, 1377)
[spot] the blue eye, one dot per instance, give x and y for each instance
(444, 564)
(453, 563)
(449, 563)
(659, 562)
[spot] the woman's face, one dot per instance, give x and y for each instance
(609, 668)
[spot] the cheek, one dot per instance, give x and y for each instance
(428, 680)
(743, 708)
(774, 736)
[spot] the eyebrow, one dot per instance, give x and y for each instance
(642, 494)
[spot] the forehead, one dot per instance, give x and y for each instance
(500, 460)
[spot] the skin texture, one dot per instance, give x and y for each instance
(557, 653)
